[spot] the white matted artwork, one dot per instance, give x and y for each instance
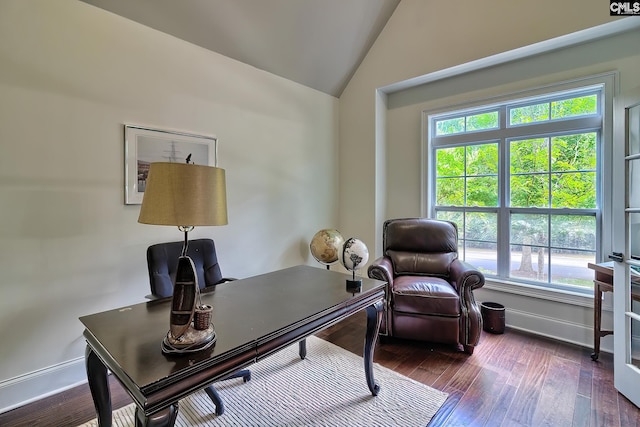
(143, 146)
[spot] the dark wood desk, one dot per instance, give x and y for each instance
(253, 317)
(603, 282)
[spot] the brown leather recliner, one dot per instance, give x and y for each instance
(430, 290)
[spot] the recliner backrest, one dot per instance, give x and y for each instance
(162, 262)
(420, 246)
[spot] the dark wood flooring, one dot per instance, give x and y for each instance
(512, 379)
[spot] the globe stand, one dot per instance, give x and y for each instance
(354, 285)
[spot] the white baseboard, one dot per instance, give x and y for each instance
(19, 391)
(558, 329)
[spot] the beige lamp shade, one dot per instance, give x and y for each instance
(184, 194)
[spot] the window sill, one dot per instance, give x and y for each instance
(555, 295)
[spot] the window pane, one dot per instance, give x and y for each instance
(450, 191)
(573, 190)
(574, 107)
(483, 256)
(529, 155)
(529, 262)
(574, 152)
(482, 159)
(482, 121)
(450, 162)
(529, 114)
(573, 232)
(482, 226)
(529, 191)
(449, 127)
(482, 191)
(570, 268)
(529, 229)
(634, 235)
(455, 217)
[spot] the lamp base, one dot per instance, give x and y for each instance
(191, 341)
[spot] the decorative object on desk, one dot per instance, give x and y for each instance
(185, 195)
(143, 146)
(326, 245)
(354, 255)
(202, 317)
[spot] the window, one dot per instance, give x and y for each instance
(521, 181)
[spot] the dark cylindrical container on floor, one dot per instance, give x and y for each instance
(492, 317)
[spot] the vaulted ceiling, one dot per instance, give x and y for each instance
(317, 43)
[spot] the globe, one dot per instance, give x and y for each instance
(326, 245)
(354, 254)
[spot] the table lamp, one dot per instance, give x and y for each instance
(185, 195)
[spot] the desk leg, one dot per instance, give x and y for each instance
(597, 320)
(374, 318)
(99, 386)
(302, 348)
(165, 417)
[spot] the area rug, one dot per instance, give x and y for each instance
(328, 388)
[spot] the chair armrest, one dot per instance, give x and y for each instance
(382, 269)
(465, 277)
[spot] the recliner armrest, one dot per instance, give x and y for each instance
(465, 276)
(381, 269)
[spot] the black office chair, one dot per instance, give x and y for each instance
(162, 261)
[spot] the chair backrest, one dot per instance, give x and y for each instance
(420, 246)
(162, 261)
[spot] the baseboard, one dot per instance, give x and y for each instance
(558, 329)
(19, 391)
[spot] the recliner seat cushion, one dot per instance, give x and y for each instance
(425, 295)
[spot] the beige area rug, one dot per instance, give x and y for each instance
(328, 388)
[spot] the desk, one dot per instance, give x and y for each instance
(253, 317)
(603, 282)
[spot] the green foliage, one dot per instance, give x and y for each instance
(573, 190)
(470, 123)
(481, 226)
(482, 121)
(562, 109)
(529, 114)
(529, 191)
(450, 126)
(450, 162)
(574, 107)
(450, 191)
(474, 168)
(482, 159)
(529, 155)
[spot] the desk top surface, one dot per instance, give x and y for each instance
(244, 311)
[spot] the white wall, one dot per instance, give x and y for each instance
(70, 76)
(380, 148)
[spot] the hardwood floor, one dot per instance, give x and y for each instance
(513, 379)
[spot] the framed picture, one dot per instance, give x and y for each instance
(143, 146)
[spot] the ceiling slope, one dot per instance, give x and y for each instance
(317, 43)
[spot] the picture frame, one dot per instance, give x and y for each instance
(143, 146)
